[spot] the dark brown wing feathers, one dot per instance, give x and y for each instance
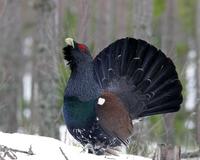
(114, 118)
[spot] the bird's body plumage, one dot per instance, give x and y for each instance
(132, 77)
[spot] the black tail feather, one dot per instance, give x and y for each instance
(143, 77)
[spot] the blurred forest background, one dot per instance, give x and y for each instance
(33, 75)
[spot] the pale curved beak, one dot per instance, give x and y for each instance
(69, 42)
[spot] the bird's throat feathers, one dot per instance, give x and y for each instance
(82, 84)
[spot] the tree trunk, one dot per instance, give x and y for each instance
(10, 64)
(121, 23)
(103, 30)
(167, 152)
(142, 14)
(45, 74)
(142, 19)
(198, 69)
(168, 47)
(83, 20)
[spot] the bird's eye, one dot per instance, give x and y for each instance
(82, 48)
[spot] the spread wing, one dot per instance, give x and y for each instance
(114, 118)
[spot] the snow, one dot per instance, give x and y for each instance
(49, 148)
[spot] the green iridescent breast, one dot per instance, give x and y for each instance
(78, 113)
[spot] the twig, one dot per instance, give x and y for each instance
(6, 149)
(191, 154)
(1, 158)
(63, 153)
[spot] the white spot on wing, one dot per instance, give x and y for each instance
(101, 101)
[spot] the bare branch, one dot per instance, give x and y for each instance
(7, 149)
(63, 153)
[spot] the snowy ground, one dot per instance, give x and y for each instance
(47, 148)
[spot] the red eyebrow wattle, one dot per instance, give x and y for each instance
(82, 47)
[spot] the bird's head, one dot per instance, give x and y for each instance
(76, 53)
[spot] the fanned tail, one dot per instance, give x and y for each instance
(141, 75)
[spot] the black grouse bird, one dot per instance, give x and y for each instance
(127, 80)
